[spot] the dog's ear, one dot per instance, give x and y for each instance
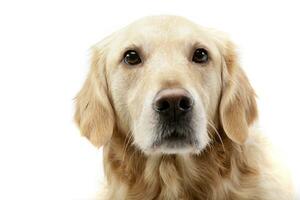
(238, 108)
(94, 113)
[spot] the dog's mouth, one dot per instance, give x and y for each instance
(175, 140)
(175, 136)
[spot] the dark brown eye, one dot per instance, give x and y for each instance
(131, 57)
(200, 56)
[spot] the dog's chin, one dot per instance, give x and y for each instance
(180, 150)
(174, 146)
(178, 145)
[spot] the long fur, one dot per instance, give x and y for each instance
(236, 165)
(222, 171)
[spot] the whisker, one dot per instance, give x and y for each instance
(126, 144)
(218, 134)
(209, 144)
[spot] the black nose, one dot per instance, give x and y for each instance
(173, 102)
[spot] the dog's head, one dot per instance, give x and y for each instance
(165, 82)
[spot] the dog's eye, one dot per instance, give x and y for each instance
(131, 57)
(200, 56)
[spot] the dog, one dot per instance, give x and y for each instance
(176, 115)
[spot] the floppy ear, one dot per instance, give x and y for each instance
(238, 108)
(94, 113)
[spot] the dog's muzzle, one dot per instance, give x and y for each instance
(174, 113)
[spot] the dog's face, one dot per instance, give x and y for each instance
(165, 84)
(162, 81)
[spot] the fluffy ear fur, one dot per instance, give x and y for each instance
(94, 113)
(238, 107)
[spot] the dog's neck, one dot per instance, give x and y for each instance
(138, 176)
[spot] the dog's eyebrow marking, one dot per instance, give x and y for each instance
(131, 46)
(199, 44)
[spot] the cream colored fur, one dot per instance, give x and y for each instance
(234, 162)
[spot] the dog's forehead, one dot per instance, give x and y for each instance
(159, 29)
(166, 24)
(171, 35)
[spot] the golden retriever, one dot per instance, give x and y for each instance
(174, 111)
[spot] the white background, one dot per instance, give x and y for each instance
(44, 51)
